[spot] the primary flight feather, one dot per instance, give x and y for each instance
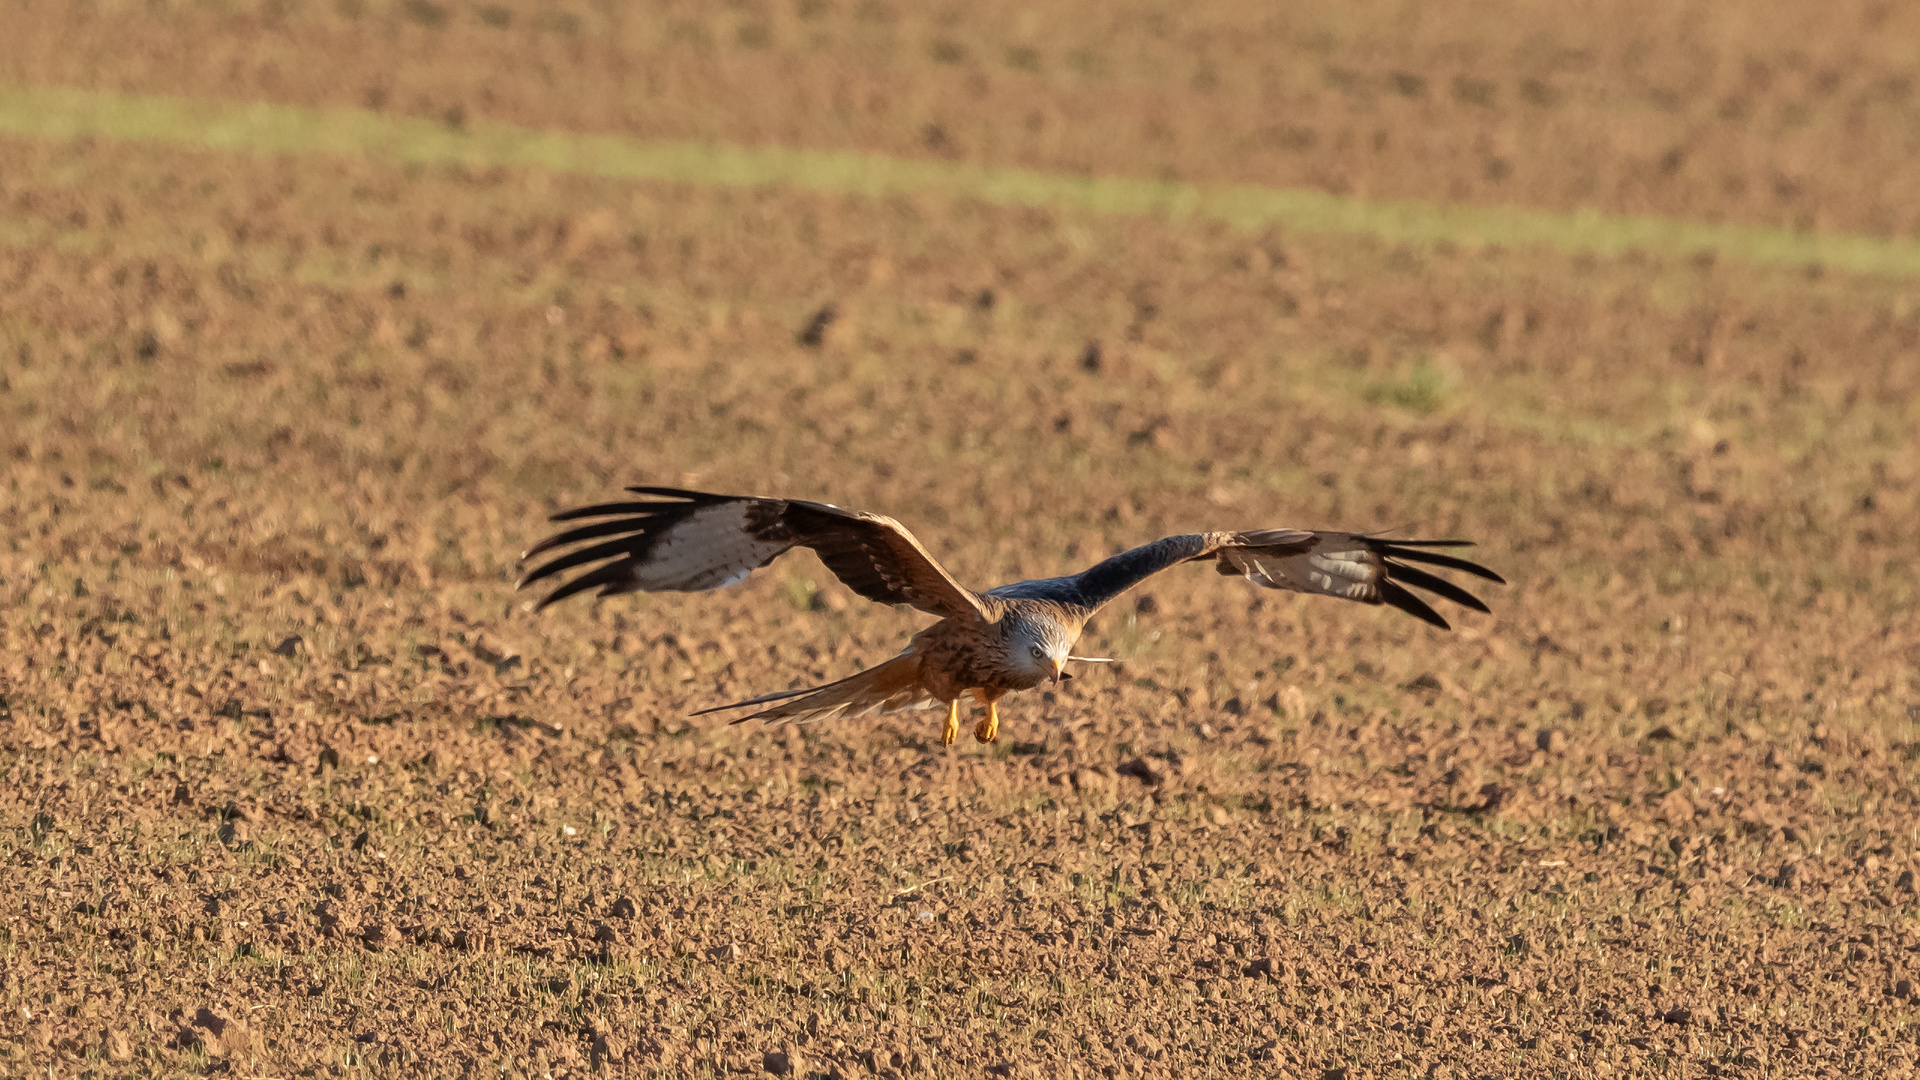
(986, 644)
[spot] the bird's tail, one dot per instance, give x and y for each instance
(889, 687)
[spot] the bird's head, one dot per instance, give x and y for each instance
(1040, 647)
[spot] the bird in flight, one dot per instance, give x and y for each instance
(1013, 637)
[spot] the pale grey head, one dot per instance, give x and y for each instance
(1038, 644)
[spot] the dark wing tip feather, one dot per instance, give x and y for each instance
(682, 494)
(1420, 579)
(610, 509)
(591, 553)
(607, 578)
(584, 532)
(1393, 594)
(1411, 551)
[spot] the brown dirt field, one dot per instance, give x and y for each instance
(291, 783)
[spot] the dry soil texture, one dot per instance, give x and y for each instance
(292, 783)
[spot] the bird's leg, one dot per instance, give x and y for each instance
(952, 729)
(988, 729)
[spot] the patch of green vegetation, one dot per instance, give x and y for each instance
(801, 592)
(1422, 389)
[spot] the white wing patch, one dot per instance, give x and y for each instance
(1351, 573)
(711, 549)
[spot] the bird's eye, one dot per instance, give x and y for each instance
(1038, 652)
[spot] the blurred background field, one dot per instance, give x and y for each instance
(310, 312)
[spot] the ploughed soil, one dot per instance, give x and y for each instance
(292, 782)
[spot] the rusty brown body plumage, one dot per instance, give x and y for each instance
(962, 655)
(986, 644)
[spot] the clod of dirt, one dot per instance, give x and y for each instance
(1086, 780)
(332, 919)
(815, 332)
(1552, 740)
(1675, 807)
(1679, 1014)
(288, 645)
(777, 1063)
(607, 1048)
(504, 659)
(1492, 796)
(116, 1045)
(624, 908)
(1090, 358)
(1425, 683)
(222, 1035)
(1141, 771)
(1663, 733)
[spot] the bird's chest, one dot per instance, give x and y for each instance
(961, 658)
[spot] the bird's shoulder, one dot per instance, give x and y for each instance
(1061, 608)
(1055, 590)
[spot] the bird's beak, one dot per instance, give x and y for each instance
(1058, 665)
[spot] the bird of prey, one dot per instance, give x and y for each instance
(1014, 637)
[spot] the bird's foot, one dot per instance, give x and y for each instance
(988, 729)
(952, 729)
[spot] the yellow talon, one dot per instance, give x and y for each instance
(952, 730)
(989, 729)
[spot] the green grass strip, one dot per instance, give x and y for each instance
(53, 113)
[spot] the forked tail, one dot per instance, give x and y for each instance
(884, 688)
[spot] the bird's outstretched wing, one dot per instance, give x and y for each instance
(1351, 566)
(691, 541)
